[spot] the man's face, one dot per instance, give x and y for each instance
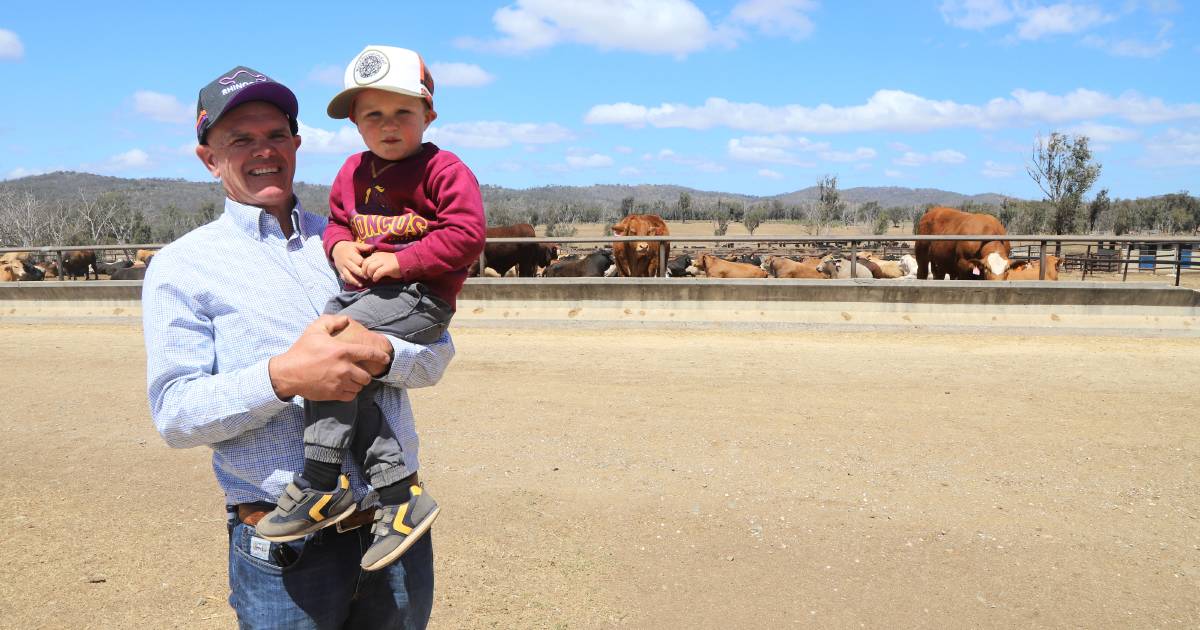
(391, 124)
(253, 152)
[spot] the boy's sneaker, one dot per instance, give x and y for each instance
(302, 510)
(398, 528)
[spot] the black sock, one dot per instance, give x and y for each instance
(321, 475)
(394, 494)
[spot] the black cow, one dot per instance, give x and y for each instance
(677, 267)
(130, 273)
(526, 257)
(591, 266)
(109, 269)
(80, 263)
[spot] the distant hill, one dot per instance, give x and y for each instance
(152, 195)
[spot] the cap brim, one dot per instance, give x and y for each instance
(340, 106)
(274, 93)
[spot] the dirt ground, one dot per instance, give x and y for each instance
(651, 479)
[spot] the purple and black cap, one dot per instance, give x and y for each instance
(241, 85)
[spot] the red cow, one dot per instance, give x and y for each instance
(639, 259)
(962, 260)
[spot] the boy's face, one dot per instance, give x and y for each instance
(391, 124)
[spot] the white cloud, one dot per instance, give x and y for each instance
(1059, 19)
(496, 134)
(1103, 133)
(697, 163)
(11, 48)
(595, 160)
(890, 172)
(327, 74)
(762, 150)
(459, 75)
(1133, 47)
(895, 110)
(997, 171)
(1174, 147)
(674, 27)
(163, 108)
(622, 149)
(944, 156)
(777, 18)
(857, 155)
(21, 171)
(129, 160)
(344, 141)
(769, 174)
(630, 171)
(976, 14)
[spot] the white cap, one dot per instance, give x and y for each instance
(388, 68)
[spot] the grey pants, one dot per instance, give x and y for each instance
(407, 311)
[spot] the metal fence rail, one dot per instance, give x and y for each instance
(1179, 244)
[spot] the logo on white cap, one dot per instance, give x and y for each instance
(371, 66)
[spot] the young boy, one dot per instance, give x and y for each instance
(406, 220)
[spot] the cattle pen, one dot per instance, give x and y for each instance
(1096, 302)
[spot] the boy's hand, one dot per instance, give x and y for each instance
(348, 260)
(381, 265)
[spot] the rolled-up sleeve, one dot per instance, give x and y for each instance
(415, 365)
(190, 404)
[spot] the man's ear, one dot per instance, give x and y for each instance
(209, 159)
(297, 137)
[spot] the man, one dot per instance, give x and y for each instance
(234, 341)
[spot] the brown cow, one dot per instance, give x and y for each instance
(1031, 269)
(962, 260)
(887, 268)
(526, 257)
(639, 259)
(80, 263)
(144, 255)
(718, 268)
(781, 267)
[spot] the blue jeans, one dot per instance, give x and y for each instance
(316, 582)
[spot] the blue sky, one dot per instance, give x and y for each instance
(757, 97)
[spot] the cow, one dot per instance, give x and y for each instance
(136, 272)
(720, 268)
(526, 257)
(144, 255)
(678, 267)
(591, 266)
(908, 266)
(109, 269)
(749, 259)
(48, 268)
(887, 268)
(840, 268)
(80, 263)
(962, 260)
(781, 267)
(16, 269)
(1031, 269)
(639, 259)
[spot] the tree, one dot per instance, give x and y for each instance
(21, 220)
(627, 206)
(753, 219)
(720, 219)
(1062, 167)
(881, 224)
(685, 206)
(1098, 208)
(829, 203)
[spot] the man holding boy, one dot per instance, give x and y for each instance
(233, 337)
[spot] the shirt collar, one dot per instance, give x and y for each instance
(258, 224)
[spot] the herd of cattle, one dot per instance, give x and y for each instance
(21, 266)
(961, 260)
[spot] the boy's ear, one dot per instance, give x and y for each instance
(430, 116)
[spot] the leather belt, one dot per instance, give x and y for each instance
(252, 513)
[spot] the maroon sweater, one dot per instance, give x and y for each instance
(426, 208)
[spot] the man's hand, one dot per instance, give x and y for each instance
(348, 261)
(381, 265)
(320, 367)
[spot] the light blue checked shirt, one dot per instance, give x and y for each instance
(217, 304)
